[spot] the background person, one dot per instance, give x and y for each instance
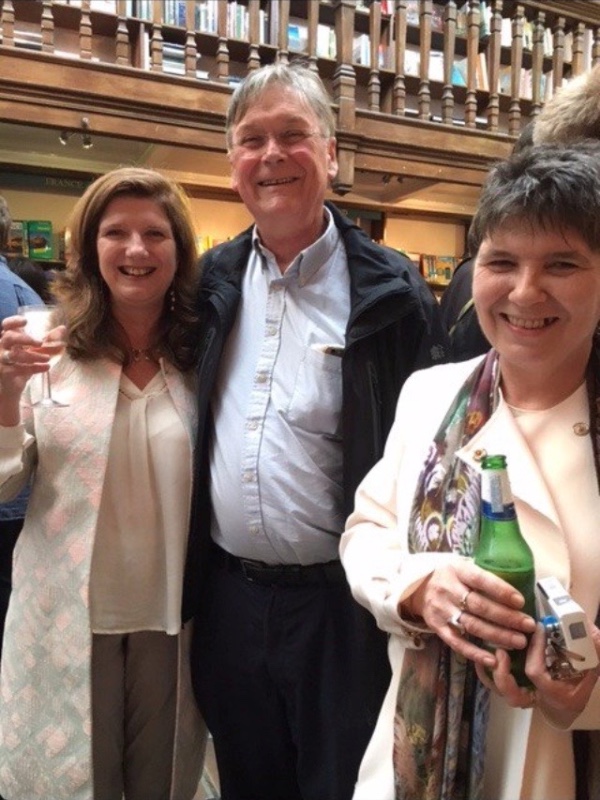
(35, 276)
(14, 292)
(312, 329)
(95, 688)
(535, 398)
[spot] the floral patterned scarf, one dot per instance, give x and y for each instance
(442, 709)
(441, 712)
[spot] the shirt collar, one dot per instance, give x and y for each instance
(308, 261)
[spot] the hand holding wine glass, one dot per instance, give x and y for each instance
(39, 323)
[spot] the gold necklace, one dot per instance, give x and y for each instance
(142, 354)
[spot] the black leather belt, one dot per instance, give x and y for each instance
(279, 574)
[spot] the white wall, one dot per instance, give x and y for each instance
(438, 238)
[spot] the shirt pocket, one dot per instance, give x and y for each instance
(316, 401)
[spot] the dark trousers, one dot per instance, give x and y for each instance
(290, 680)
(9, 533)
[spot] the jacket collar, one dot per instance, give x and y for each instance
(501, 434)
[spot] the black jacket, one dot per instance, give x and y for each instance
(394, 328)
(459, 316)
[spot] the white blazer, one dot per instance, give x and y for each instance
(381, 572)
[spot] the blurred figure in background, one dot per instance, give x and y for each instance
(35, 276)
(14, 292)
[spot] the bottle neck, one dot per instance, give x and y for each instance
(496, 497)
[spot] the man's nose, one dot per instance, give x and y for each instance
(272, 146)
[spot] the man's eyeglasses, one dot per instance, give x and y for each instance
(286, 140)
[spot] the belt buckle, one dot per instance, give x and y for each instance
(248, 566)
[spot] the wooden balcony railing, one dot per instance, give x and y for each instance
(473, 64)
(469, 66)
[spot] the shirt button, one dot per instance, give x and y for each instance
(271, 330)
(261, 377)
(252, 424)
(254, 530)
(248, 476)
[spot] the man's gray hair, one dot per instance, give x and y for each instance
(296, 76)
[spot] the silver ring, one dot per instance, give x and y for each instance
(6, 359)
(465, 598)
(455, 622)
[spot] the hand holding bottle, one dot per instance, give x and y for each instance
(464, 604)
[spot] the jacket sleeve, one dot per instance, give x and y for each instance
(434, 346)
(17, 458)
(374, 551)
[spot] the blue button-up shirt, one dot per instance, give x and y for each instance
(276, 469)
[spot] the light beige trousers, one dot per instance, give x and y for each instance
(134, 696)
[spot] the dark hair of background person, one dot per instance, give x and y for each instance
(83, 294)
(34, 275)
(5, 221)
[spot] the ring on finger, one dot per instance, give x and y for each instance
(455, 622)
(532, 699)
(464, 600)
(6, 359)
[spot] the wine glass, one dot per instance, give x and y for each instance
(39, 323)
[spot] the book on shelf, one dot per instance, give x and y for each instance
(237, 20)
(39, 239)
(297, 35)
(326, 43)
(206, 16)
(481, 72)
(174, 13)
(17, 239)
(438, 269)
(459, 71)
(412, 12)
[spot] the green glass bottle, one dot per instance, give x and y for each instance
(502, 549)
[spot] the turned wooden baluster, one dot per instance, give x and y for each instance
(493, 65)
(283, 45)
(400, 27)
(577, 65)
(253, 59)
(516, 62)
(424, 93)
(558, 52)
(313, 24)
(122, 42)
(8, 23)
(449, 55)
(85, 31)
(222, 55)
(472, 56)
(374, 86)
(190, 48)
(537, 64)
(344, 94)
(596, 47)
(47, 27)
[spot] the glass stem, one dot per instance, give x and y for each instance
(46, 391)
